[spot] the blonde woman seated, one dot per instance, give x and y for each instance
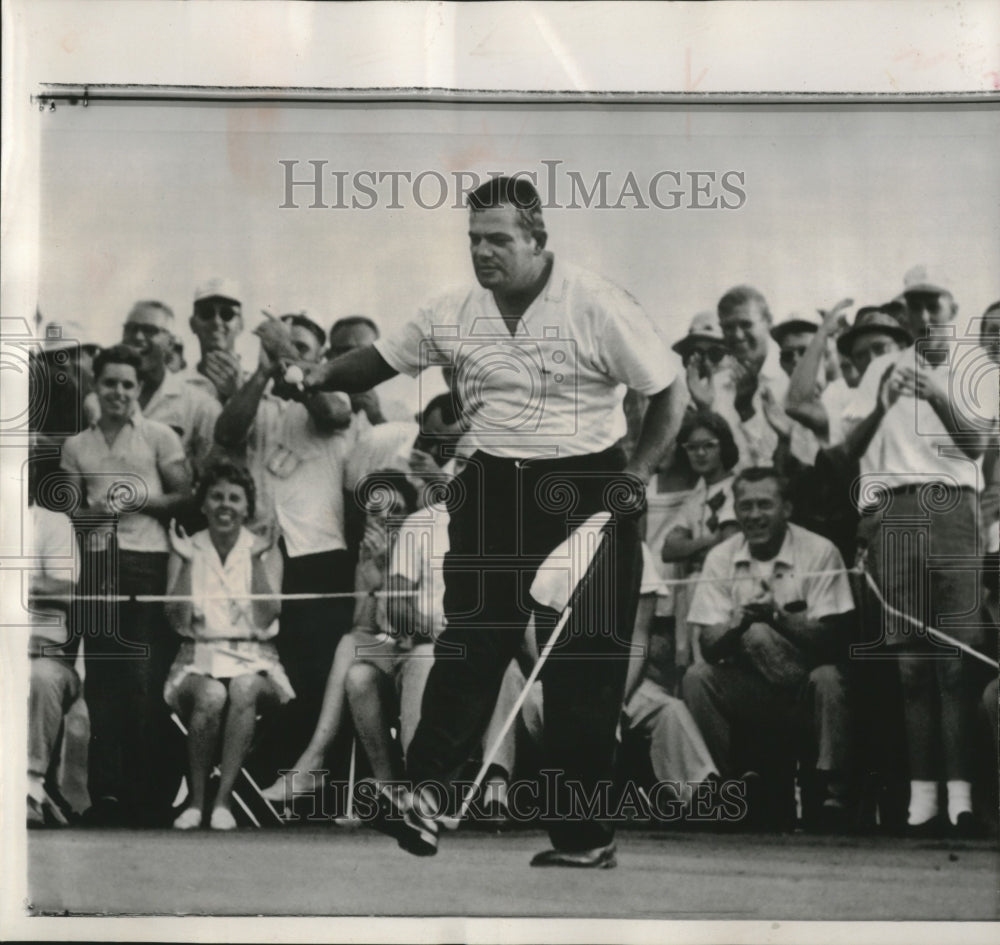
(227, 670)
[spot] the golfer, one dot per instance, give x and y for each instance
(541, 354)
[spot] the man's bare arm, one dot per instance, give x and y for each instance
(352, 373)
(659, 429)
(233, 425)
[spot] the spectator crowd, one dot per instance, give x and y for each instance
(248, 573)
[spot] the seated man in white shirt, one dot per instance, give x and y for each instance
(774, 609)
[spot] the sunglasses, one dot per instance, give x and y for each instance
(134, 329)
(227, 311)
(713, 355)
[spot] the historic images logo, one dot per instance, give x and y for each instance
(316, 185)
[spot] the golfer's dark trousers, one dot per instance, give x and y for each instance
(506, 517)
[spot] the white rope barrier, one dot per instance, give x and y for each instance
(671, 582)
(927, 628)
(331, 595)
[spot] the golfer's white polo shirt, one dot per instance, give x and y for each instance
(912, 444)
(556, 386)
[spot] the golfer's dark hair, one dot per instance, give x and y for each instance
(443, 402)
(301, 320)
(349, 321)
(761, 474)
(116, 354)
(513, 192)
(719, 427)
(743, 295)
(225, 471)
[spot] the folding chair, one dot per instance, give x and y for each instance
(246, 776)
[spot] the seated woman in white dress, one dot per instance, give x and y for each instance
(707, 516)
(227, 670)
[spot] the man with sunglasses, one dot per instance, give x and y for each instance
(164, 395)
(703, 351)
(217, 321)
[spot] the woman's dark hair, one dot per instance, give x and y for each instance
(226, 471)
(116, 354)
(374, 489)
(718, 426)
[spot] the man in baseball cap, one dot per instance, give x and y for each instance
(217, 321)
(930, 302)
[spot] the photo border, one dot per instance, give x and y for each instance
(26, 89)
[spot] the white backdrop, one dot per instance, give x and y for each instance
(145, 201)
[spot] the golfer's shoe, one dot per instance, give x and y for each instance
(389, 812)
(396, 817)
(599, 858)
(419, 834)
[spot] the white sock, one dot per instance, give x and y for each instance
(923, 802)
(959, 799)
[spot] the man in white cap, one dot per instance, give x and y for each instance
(815, 398)
(703, 350)
(217, 321)
(793, 336)
(567, 344)
(926, 463)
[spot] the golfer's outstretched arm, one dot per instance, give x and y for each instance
(352, 373)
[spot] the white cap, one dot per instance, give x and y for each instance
(218, 287)
(795, 323)
(926, 279)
